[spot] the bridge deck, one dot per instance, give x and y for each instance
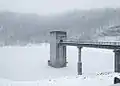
(105, 45)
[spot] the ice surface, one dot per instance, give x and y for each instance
(30, 63)
(103, 79)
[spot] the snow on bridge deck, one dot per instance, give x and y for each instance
(106, 45)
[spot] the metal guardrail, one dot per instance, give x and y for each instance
(91, 42)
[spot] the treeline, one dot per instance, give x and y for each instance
(18, 28)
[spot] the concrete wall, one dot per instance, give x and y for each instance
(57, 52)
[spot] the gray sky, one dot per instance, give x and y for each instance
(54, 6)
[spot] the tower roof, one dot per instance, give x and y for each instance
(58, 32)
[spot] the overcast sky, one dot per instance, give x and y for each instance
(54, 6)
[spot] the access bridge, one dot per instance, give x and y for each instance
(59, 41)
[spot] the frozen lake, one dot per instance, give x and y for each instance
(30, 62)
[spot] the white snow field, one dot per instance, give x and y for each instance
(104, 79)
(27, 66)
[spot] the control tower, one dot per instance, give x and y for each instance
(57, 51)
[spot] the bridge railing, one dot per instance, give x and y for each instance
(91, 42)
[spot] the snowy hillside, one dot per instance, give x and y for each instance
(110, 34)
(35, 28)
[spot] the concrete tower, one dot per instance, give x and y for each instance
(57, 51)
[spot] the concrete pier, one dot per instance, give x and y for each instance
(117, 60)
(79, 69)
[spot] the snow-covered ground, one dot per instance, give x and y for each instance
(104, 79)
(30, 63)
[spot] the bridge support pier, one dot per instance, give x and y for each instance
(79, 68)
(117, 60)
